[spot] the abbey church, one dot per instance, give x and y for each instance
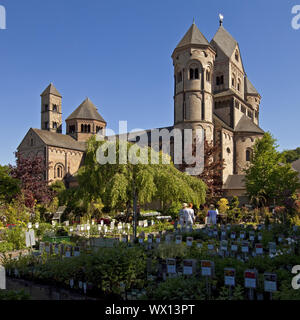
(211, 91)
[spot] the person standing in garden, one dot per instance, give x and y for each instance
(212, 215)
(189, 216)
(182, 215)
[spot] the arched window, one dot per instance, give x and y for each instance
(58, 171)
(55, 107)
(191, 74)
(239, 85)
(248, 154)
(194, 72)
(82, 128)
(89, 128)
(208, 75)
(233, 80)
(218, 81)
(54, 125)
(236, 55)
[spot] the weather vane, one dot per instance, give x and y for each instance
(221, 18)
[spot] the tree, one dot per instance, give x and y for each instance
(9, 186)
(213, 167)
(33, 185)
(291, 155)
(117, 185)
(268, 178)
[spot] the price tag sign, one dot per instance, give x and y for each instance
(68, 251)
(252, 236)
(157, 239)
(207, 268)
(259, 248)
(189, 241)
(242, 235)
(188, 266)
(233, 235)
(178, 239)
(141, 239)
(229, 277)
(250, 279)
(270, 282)
(171, 266)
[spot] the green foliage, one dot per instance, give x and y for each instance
(180, 288)
(16, 237)
(268, 179)
(291, 155)
(9, 187)
(117, 183)
(14, 212)
(14, 295)
(223, 205)
(6, 246)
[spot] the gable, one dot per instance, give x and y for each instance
(26, 142)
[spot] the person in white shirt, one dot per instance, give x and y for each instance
(182, 215)
(189, 216)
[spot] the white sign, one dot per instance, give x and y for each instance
(234, 247)
(270, 282)
(207, 268)
(2, 278)
(199, 245)
(229, 277)
(189, 241)
(232, 236)
(178, 239)
(259, 248)
(250, 279)
(171, 266)
(29, 225)
(259, 237)
(157, 239)
(188, 267)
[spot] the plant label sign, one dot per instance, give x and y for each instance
(141, 240)
(47, 247)
(150, 238)
(71, 229)
(178, 239)
(56, 248)
(2, 278)
(242, 235)
(157, 239)
(199, 245)
(270, 282)
(76, 252)
(224, 245)
(250, 279)
(189, 266)
(88, 227)
(245, 247)
(223, 234)
(259, 237)
(233, 235)
(81, 228)
(215, 233)
(207, 268)
(234, 247)
(68, 252)
(252, 236)
(145, 223)
(189, 241)
(229, 277)
(228, 227)
(168, 238)
(272, 247)
(171, 266)
(124, 238)
(259, 248)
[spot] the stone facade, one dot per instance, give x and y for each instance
(211, 92)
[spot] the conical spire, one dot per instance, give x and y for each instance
(51, 90)
(193, 37)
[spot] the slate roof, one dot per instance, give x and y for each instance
(51, 90)
(247, 125)
(296, 167)
(223, 124)
(224, 40)
(249, 88)
(87, 110)
(235, 182)
(193, 36)
(60, 140)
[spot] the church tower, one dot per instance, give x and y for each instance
(51, 110)
(193, 61)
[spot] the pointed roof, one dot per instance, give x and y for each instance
(87, 110)
(224, 40)
(249, 88)
(247, 125)
(193, 36)
(51, 90)
(235, 182)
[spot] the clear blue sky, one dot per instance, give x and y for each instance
(118, 53)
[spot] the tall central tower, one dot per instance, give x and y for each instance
(193, 61)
